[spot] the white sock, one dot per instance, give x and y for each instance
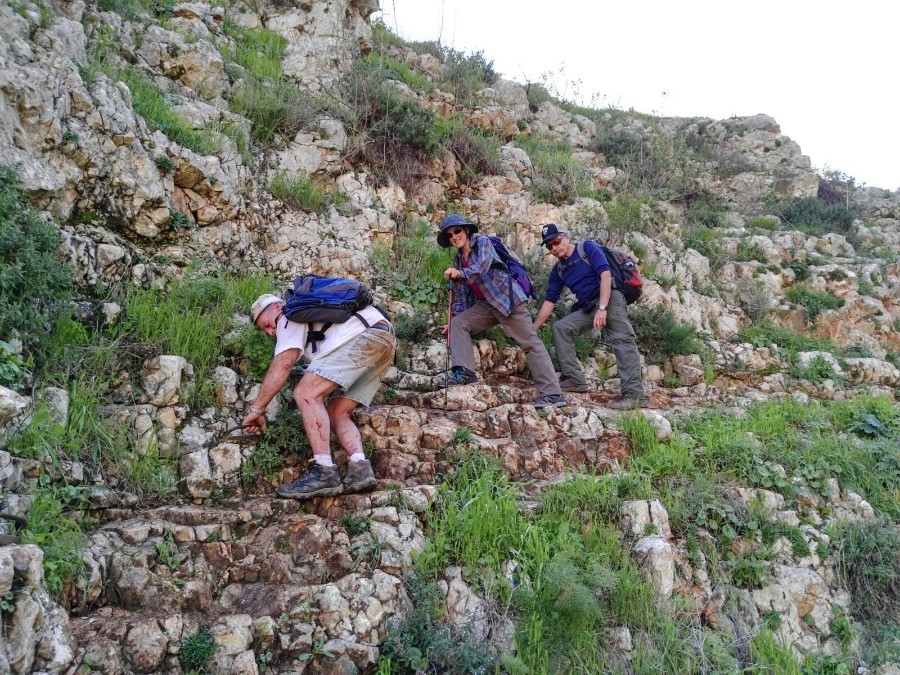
(324, 460)
(358, 457)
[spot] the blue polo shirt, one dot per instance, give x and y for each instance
(579, 275)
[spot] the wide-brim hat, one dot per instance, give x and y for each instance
(453, 220)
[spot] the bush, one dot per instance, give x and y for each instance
(559, 178)
(659, 335)
(817, 215)
(650, 161)
(814, 301)
(413, 270)
(870, 567)
(35, 285)
(476, 150)
(756, 300)
(465, 74)
(425, 643)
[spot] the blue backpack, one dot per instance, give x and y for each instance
(326, 300)
(514, 268)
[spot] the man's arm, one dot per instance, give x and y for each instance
(605, 290)
(543, 314)
(276, 376)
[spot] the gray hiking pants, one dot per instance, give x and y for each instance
(518, 326)
(619, 335)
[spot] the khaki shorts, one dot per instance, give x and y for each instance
(358, 366)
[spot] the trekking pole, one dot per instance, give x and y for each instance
(447, 359)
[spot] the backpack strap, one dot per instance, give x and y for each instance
(314, 337)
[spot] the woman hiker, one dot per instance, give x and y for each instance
(484, 296)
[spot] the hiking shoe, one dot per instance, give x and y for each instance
(460, 375)
(318, 481)
(549, 400)
(359, 477)
(575, 387)
(629, 404)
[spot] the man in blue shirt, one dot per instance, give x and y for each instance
(585, 271)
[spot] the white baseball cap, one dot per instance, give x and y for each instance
(261, 303)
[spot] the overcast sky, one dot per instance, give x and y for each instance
(828, 73)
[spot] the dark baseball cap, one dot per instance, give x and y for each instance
(550, 232)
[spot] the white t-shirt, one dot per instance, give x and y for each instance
(292, 335)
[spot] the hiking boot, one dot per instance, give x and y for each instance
(549, 400)
(459, 375)
(317, 481)
(359, 477)
(629, 404)
(575, 387)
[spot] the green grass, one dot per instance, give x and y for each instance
(257, 50)
(303, 192)
(150, 102)
(571, 577)
(191, 317)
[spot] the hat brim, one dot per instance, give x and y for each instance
(443, 238)
(554, 237)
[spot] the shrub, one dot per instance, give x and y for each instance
(869, 561)
(35, 285)
(164, 164)
(650, 160)
(536, 94)
(465, 74)
(756, 300)
(477, 151)
(412, 327)
(813, 301)
(817, 215)
(12, 366)
(413, 270)
(425, 643)
(660, 335)
(558, 178)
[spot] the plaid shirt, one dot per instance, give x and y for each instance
(493, 282)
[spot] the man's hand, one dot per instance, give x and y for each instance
(255, 423)
(599, 318)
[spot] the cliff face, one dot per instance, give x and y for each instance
(164, 139)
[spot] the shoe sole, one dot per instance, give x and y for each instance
(321, 492)
(576, 390)
(361, 486)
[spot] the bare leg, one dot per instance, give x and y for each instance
(310, 395)
(340, 412)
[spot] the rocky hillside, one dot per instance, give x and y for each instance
(161, 164)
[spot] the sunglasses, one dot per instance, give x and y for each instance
(556, 242)
(456, 230)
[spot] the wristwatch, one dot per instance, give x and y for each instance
(601, 308)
